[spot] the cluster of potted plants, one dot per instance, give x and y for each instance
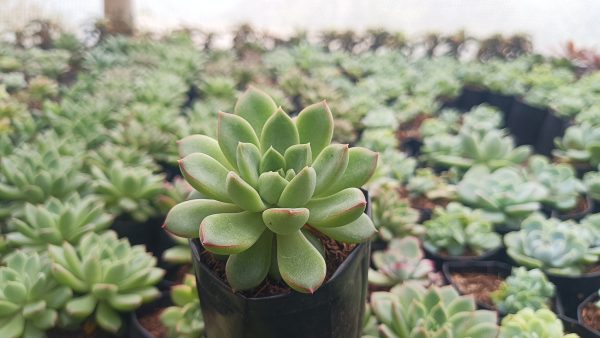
(426, 197)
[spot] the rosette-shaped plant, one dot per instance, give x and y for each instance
(184, 318)
(58, 221)
(403, 260)
(529, 323)
(392, 215)
(128, 190)
(30, 299)
(523, 289)
(458, 230)
(426, 183)
(580, 145)
(564, 188)
(369, 323)
(592, 183)
(107, 275)
(482, 119)
(412, 311)
(505, 194)
(591, 226)
(551, 245)
(270, 181)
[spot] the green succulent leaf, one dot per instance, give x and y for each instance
(202, 144)
(330, 165)
(256, 107)
(270, 186)
(108, 319)
(336, 210)
(232, 130)
(285, 221)
(184, 219)
(248, 162)
(12, 327)
(81, 307)
(298, 156)
(356, 231)
(206, 175)
(227, 234)
(272, 160)
(249, 268)
(315, 126)
(301, 265)
(361, 166)
(243, 194)
(300, 189)
(279, 132)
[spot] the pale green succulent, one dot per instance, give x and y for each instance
(58, 221)
(262, 191)
(529, 323)
(481, 119)
(128, 190)
(370, 323)
(403, 260)
(379, 139)
(107, 275)
(447, 122)
(392, 215)
(592, 182)
(426, 183)
(30, 298)
(380, 118)
(458, 230)
(591, 226)
(523, 289)
(551, 245)
(184, 318)
(394, 165)
(506, 196)
(564, 188)
(579, 145)
(412, 311)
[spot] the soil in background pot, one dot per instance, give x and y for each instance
(584, 206)
(590, 316)
(478, 284)
(572, 326)
(145, 322)
(573, 289)
(88, 329)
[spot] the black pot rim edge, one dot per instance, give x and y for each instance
(589, 299)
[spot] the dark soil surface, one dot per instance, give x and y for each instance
(151, 322)
(410, 130)
(480, 285)
(591, 316)
(335, 253)
(88, 330)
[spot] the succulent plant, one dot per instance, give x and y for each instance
(564, 188)
(481, 119)
(457, 230)
(529, 323)
(392, 215)
(394, 165)
(412, 311)
(551, 245)
(579, 145)
(523, 289)
(381, 118)
(184, 318)
(107, 275)
(492, 149)
(591, 225)
(447, 122)
(370, 323)
(29, 297)
(506, 195)
(403, 260)
(592, 182)
(426, 183)
(128, 190)
(58, 221)
(378, 139)
(263, 191)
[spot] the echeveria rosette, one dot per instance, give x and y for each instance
(523, 289)
(30, 298)
(551, 245)
(107, 275)
(411, 311)
(529, 323)
(184, 318)
(267, 179)
(580, 145)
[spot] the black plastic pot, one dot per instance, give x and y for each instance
(525, 122)
(572, 326)
(572, 290)
(593, 298)
(170, 170)
(136, 330)
(576, 216)
(554, 126)
(471, 96)
(148, 233)
(502, 102)
(412, 147)
(439, 260)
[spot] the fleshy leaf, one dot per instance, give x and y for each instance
(249, 268)
(297, 157)
(284, 221)
(279, 132)
(81, 307)
(232, 130)
(227, 234)
(243, 194)
(272, 160)
(357, 231)
(206, 175)
(336, 210)
(107, 318)
(270, 186)
(184, 218)
(202, 144)
(256, 107)
(329, 166)
(301, 265)
(300, 189)
(315, 126)
(248, 162)
(361, 165)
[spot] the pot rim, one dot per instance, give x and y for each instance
(589, 299)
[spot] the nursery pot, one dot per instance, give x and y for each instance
(136, 329)
(572, 326)
(525, 122)
(575, 215)
(471, 96)
(440, 259)
(502, 102)
(148, 233)
(554, 126)
(591, 299)
(573, 289)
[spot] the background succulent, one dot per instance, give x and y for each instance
(458, 230)
(107, 276)
(531, 323)
(523, 289)
(30, 298)
(412, 311)
(551, 245)
(184, 318)
(392, 215)
(580, 145)
(592, 183)
(267, 176)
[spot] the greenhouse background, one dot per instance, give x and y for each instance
(299, 169)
